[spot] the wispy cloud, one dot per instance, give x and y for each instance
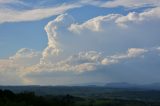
(131, 3)
(122, 3)
(15, 15)
(9, 1)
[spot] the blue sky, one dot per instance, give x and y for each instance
(52, 42)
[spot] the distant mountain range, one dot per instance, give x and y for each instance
(87, 87)
(121, 85)
(153, 86)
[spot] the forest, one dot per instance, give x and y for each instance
(9, 98)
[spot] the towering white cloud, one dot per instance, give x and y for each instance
(52, 28)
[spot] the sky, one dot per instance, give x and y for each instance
(68, 42)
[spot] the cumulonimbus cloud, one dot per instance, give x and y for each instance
(27, 61)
